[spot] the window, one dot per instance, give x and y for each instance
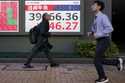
(65, 15)
(17, 17)
(9, 16)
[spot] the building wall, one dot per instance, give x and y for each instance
(62, 44)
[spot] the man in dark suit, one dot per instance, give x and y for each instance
(42, 42)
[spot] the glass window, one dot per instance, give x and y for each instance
(9, 16)
(65, 15)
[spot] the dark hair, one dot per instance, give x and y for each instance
(101, 4)
(44, 14)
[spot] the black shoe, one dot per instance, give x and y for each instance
(54, 65)
(102, 80)
(120, 64)
(27, 66)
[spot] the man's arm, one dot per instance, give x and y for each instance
(91, 31)
(107, 25)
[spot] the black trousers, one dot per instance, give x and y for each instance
(102, 45)
(41, 45)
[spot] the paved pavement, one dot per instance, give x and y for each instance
(65, 73)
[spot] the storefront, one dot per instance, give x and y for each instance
(70, 20)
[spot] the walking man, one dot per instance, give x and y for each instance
(42, 42)
(101, 30)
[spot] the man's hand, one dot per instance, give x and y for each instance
(90, 34)
(48, 34)
(94, 35)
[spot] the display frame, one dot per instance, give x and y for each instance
(22, 24)
(9, 19)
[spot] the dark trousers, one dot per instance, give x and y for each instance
(101, 47)
(41, 45)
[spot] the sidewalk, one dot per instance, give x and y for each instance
(65, 73)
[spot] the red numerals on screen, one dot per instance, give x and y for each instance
(65, 26)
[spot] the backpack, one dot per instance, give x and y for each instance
(33, 33)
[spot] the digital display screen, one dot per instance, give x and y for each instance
(9, 16)
(65, 15)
